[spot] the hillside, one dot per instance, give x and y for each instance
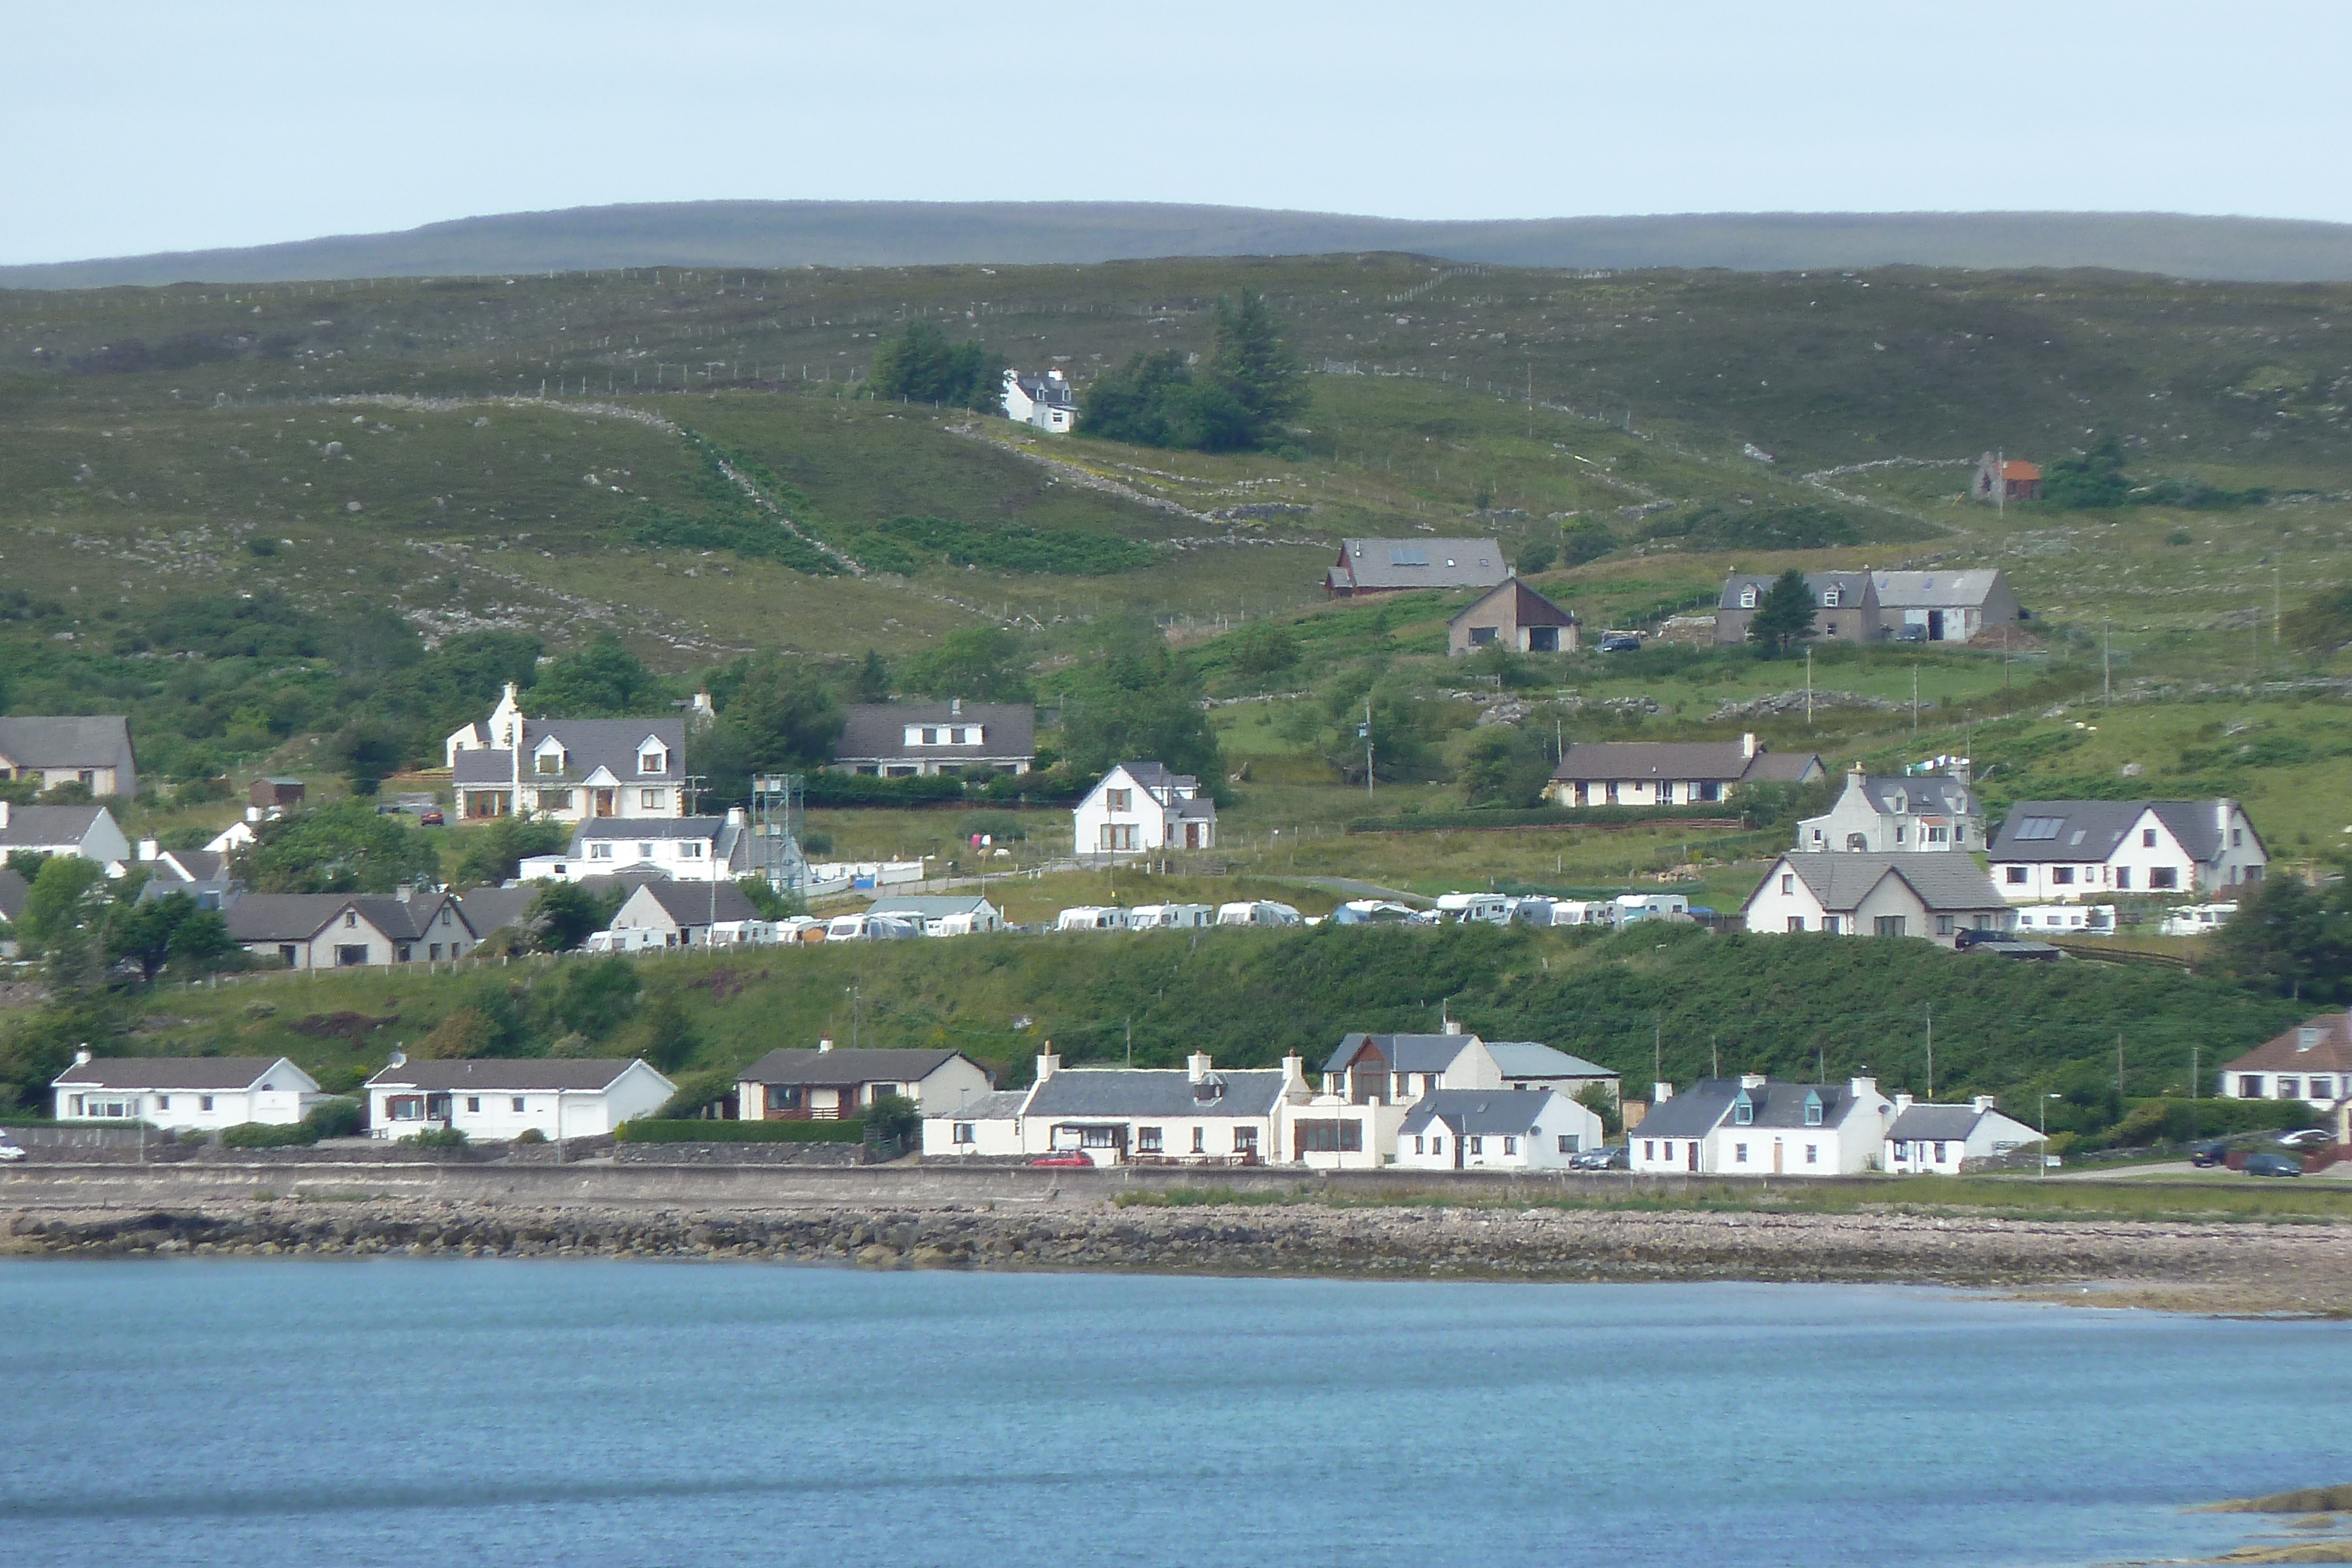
(768, 235)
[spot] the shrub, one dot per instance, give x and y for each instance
(266, 1135)
(530, 1135)
(437, 1138)
(650, 1129)
(339, 1118)
(894, 1116)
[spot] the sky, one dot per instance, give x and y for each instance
(132, 127)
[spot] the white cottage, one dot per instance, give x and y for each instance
(1755, 1125)
(986, 1125)
(1140, 807)
(185, 1093)
(2063, 850)
(569, 769)
(1193, 1115)
(493, 1100)
(1939, 1140)
(2311, 1062)
(680, 849)
(829, 1086)
(1494, 1129)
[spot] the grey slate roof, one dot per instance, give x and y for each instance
(837, 1067)
(1120, 1092)
(488, 908)
(497, 1076)
(1689, 1115)
(589, 742)
(996, 1105)
(31, 827)
(1934, 589)
(1783, 1105)
(1527, 1059)
(876, 732)
(700, 902)
(13, 889)
(1721, 760)
(74, 740)
(194, 1073)
(1945, 883)
(1855, 589)
(2092, 829)
(647, 828)
(298, 916)
(1403, 1053)
(1473, 1113)
(1923, 795)
(1421, 562)
(1936, 1124)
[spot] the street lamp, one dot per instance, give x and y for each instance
(2042, 1104)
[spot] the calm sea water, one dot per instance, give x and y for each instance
(262, 1413)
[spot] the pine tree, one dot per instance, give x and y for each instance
(1784, 615)
(1250, 361)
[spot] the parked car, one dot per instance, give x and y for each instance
(1912, 634)
(1073, 1159)
(2212, 1152)
(2265, 1163)
(1604, 1159)
(10, 1151)
(2307, 1138)
(1620, 643)
(431, 817)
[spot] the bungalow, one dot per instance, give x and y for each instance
(1491, 1129)
(572, 769)
(502, 1099)
(346, 930)
(1884, 815)
(1190, 1116)
(1526, 1064)
(1397, 566)
(680, 849)
(2064, 850)
(1943, 606)
(1940, 1140)
(2001, 480)
(904, 740)
(1672, 773)
(986, 1125)
(681, 914)
(946, 915)
(1755, 1125)
(89, 831)
(828, 1085)
(92, 750)
(203, 875)
(2311, 1062)
(1845, 605)
(1512, 616)
(1140, 807)
(184, 1094)
(1855, 893)
(1048, 402)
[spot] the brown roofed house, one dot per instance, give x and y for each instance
(2311, 1062)
(1512, 616)
(1672, 773)
(825, 1084)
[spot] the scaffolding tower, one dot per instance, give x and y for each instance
(776, 823)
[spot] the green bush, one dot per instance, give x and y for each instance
(530, 1135)
(266, 1135)
(437, 1138)
(338, 1118)
(651, 1131)
(2174, 1121)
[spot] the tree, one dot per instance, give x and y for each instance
(1263, 650)
(2291, 939)
(487, 856)
(668, 1041)
(2092, 479)
(464, 1034)
(1134, 701)
(562, 914)
(201, 944)
(143, 933)
(1537, 555)
(872, 684)
(53, 906)
(1137, 402)
(986, 663)
(1588, 540)
(2323, 623)
(369, 749)
(1784, 615)
(920, 365)
(893, 1117)
(605, 679)
(1249, 361)
(594, 998)
(1505, 765)
(342, 847)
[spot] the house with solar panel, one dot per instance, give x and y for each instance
(1400, 566)
(2060, 851)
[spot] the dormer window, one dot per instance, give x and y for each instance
(1743, 1111)
(550, 761)
(1830, 597)
(653, 761)
(1747, 597)
(2306, 1036)
(1812, 1108)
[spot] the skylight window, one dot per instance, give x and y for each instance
(2040, 827)
(1408, 554)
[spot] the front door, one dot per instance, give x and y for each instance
(604, 801)
(1776, 1156)
(1694, 1155)
(1934, 625)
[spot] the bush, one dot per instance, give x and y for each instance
(437, 1138)
(2174, 1121)
(649, 1129)
(530, 1135)
(266, 1135)
(894, 1116)
(338, 1118)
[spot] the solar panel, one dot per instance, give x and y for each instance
(1407, 555)
(2040, 827)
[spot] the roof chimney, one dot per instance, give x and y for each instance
(149, 848)
(824, 1045)
(81, 1057)
(1196, 1066)
(1902, 1104)
(735, 818)
(955, 707)
(1752, 1081)
(1048, 1064)
(1294, 1074)
(1453, 1026)
(1982, 1102)
(1660, 1092)
(1863, 1088)
(1748, 744)
(398, 1058)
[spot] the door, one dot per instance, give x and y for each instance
(603, 798)
(1935, 626)
(1694, 1155)
(1776, 1156)
(1192, 835)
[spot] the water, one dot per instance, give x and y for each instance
(262, 1413)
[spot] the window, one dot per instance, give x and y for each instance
(1898, 832)
(1739, 1154)
(2015, 875)
(1147, 1140)
(1118, 799)
(1796, 923)
(1943, 925)
(1481, 635)
(2163, 877)
(1417, 1141)
(1568, 1142)
(203, 1101)
(1437, 1146)
(405, 1107)
(644, 852)
(1812, 1108)
(962, 1134)
(1337, 1136)
(2290, 1088)
(550, 762)
(600, 850)
(2148, 838)
(515, 1104)
(2322, 1089)
(405, 951)
(1200, 1140)
(1649, 1150)
(1830, 925)
(2249, 1086)
(2237, 838)
(1743, 1111)
(1478, 1145)
(690, 849)
(1812, 1154)
(555, 799)
(1709, 790)
(1788, 882)
(351, 919)
(1902, 1151)
(2122, 878)
(1939, 1153)
(651, 799)
(433, 951)
(1830, 597)
(163, 1102)
(1937, 835)
(473, 1104)
(2063, 875)
(783, 1096)
(352, 957)
(653, 762)
(1747, 597)
(1959, 835)
(1246, 1141)
(1118, 835)
(1510, 1146)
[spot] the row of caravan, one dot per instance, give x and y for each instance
(1535, 909)
(1494, 908)
(1176, 916)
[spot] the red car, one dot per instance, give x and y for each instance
(430, 817)
(1070, 1158)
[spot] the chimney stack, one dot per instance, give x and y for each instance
(1196, 1066)
(824, 1045)
(1453, 1026)
(1660, 1092)
(1863, 1088)
(1748, 744)
(149, 848)
(735, 816)
(81, 1057)
(1048, 1064)
(955, 707)
(398, 1058)
(1982, 1102)
(1752, 1081)
(1902, 1104)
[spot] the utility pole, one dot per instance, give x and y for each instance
(2106, 648)
(2120, 1064)
(1915, 699)
(1368, 746)
(1130, 1040)
(1657, 1051)
(1931, 1054)
(1809, 685)
(2000, 484)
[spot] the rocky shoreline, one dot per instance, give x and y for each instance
(2232, 1267)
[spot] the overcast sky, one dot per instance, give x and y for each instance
(133, 128)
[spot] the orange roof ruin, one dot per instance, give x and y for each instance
(2016, 470)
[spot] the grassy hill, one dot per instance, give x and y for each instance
(919, 233)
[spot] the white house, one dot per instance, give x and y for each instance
(906, 740)
(570, 769)
(986, 1125)
(681, 849)
(682, 914)
(1193, 1115)
(1755, 1125)
(1140, 807)
(947, 915)
(90, 750)
(2311, 1062)
(2060, 850)
(1930, 814)
(1371, 1081)
(1854, 894)
(1944, 606)
(185, 1093)
(827, 1085)
(1494, 1129)
(87, 831)
(349, 930)
(1939, 1140)
(1673, 773)
(501, 1099)
(1048, 402)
